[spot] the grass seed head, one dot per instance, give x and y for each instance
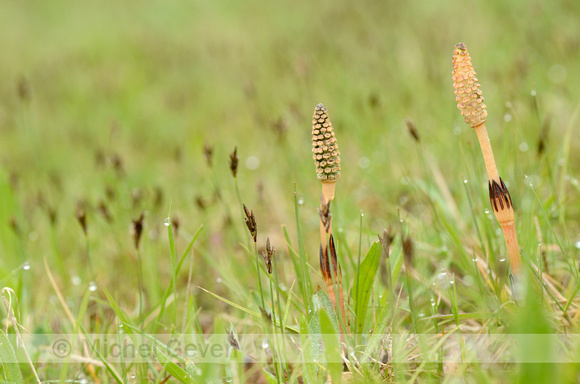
(82, 219)
(324, 147)
(234, 162)
(413, 130)
(467, 92)
(250, 221)
(386, 241)
(137, 229)
(408, 251)
(208, 153)
(104, 211)
(268, 255)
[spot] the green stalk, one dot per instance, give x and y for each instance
(258, 274)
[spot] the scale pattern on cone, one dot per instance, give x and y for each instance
(467, 92)
(324, 148)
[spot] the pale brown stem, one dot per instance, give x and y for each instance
(328, 189)
(502, 208)
(513, 248)
(485, 144)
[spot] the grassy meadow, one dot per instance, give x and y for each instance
(120, 215)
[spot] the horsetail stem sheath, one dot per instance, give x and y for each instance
(470, 102)
(327, 160)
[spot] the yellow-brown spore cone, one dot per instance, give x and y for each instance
(467, 92)
(324, 148)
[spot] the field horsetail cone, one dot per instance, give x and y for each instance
(325, 151)
(327, 160)
(470, 102)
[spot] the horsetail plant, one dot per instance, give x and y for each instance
(470, 102)
(327, 160)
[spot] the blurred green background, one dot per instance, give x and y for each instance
(109, 104)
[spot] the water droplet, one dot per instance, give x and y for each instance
(401, 220)
(507, 117)
(133, 376)
(502, 260)
(300, 201)
(167, 221)
(265, 344)
(577, 244)
(364, 162)
(340, 230)
(508, 104)
(443, 273)
(120, 325)
(464, 181)
(26, 266)
(457, 131)
(524, 147)
(533, 93)
(252, 162)
(83, 381)
(76, 280)
(92, 286)
(539, 243)
(421, 314)
(474, 259)
(218, 280)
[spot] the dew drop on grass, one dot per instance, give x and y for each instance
(76, 280)
(464, 181)
(533, 93)
(502, 260)
(443, 273)
(577, 244)
(523, 147)
(218, 280)
(92, 286)
(474, 259)
(300, 201)
(507, 117)
(539, 243)
(26, 266)
(265, 344)
(167, 221)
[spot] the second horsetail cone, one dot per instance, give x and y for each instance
(467, 92)
(324, 148)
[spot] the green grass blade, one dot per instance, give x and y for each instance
(366, 276)
(9, 360)
(174, 370)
